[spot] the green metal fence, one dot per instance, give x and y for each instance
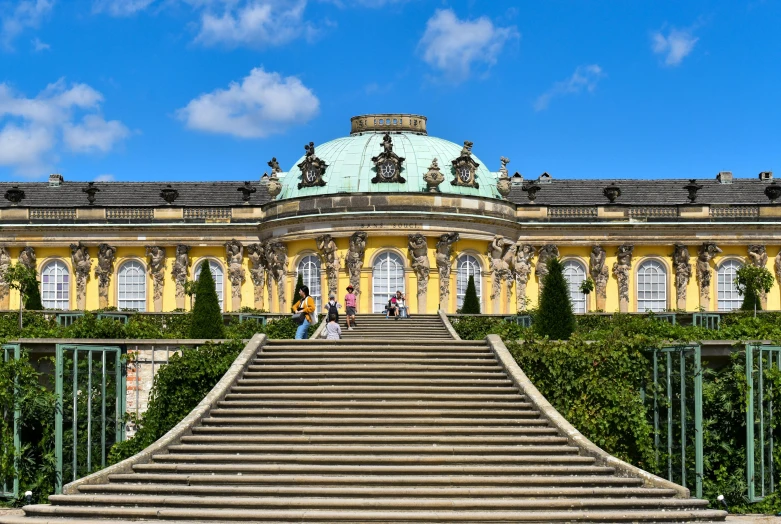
(521, 320)
(706, 320)
(760, 469)
(676, 399)
(100, 372)
(10, 487)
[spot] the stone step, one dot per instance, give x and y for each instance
(378, 469)
(352, 403)
(347, 348)
(366, 388)
(535, 428)
(378, 491)
(381, 396)
(381, 420)
(337, 368)
(378, 381)
(378, 480)
(393, 504)
(378, 449)
(230, 461)
(390, 414)
(294, 439)
(473, 359)
(74, 514)
(371, 374)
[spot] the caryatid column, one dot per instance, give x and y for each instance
(103, 272)
(757, 256)
(621, 269)
(600, 274)
(5, 289)
(706, 253)
(418, 253)
(257, 270)
(234, 258)
(82, 264)
(444, 264)
(156, 268)
(683, 273)
(180, 272)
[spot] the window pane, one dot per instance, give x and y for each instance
(651, 286)
(727, 293)
(309, 269)
(575, 274)
(131, 286)
(55, 292)
(217, 273)
(467, 266)
(387, 278)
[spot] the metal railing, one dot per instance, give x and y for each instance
(760, 471)
(706, 320)
(521, 320)
(109, 387)
(10, 487)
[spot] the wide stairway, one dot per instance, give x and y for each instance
(395, 425)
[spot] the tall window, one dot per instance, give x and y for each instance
(728, 296)
(575, 274)
(131, 286)
(309, 269)
(467, 266)
(387, 278)
(217, 274)
(651, 286)
(55, 285)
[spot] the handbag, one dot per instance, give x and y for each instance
(298, 318)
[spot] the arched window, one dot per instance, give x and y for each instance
(55, 285)
(309, 269)
(467, 266)
(575, 274)
(387, 278)
(728, 296)
(131, 286)
(651, 286)
(217, 274)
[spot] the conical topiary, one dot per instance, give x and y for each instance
(299, 285)
(207, 316)
(555, 318)
(32, 295)
(471, 305)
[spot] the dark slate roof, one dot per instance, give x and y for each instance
(645, 192)
(135, 194)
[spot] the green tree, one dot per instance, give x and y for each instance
(299, 285)
(752, 282)
(24, 279)
(555, 318)
(207, 314)
(471, 305)
(189, 288)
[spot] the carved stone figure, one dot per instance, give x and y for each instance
(256, 254)
(273, 186)
(276, 257)
(547, 252)
(683, 273)
(600, 274)
(234, 258)
(27, 257)
(354, 261)
(418, 253)
(621, 269)
(500, 255)
(274, 165)
(443, 259)
(503, 184)
(156, 268)
(433, 177)
(757, 256)
(333, 264)
(465, 168)
(104, 270)
(180, 272)
(5, 263)
(82, 264)
(778, 267)
(312, 168)
(388, 165)
(522, 269)
(706, 253)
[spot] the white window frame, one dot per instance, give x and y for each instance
(131, 285)
(393, 281)
(55, 273)
(575, 268)
(468, 265)
(727, 296)
(310, 268)
(218, 274)
(651, 286)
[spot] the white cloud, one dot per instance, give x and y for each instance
(39, 46)
(675, 46)
(120, 7)
(585, 78)
(105, 178)
(455, 46)
(254, 23)
(33, 130)
(261, 105)
(16, 18)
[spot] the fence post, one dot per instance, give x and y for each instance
(698, 437)
(750, 421)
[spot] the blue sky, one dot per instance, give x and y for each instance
(212, 89)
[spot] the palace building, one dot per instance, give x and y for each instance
(390, 207)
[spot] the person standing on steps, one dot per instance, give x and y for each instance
(305, 306)
(332, 307)
(351, 307)
(333, 330)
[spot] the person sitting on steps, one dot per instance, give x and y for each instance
(401, 305)
(392, 309)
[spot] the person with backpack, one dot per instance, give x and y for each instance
(304, 310)
(332, 307)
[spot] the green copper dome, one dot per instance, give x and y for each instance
(351, 169)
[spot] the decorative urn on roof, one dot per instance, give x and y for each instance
(14, 195)
(246, 191)
(692, 187)
(274, 186)
(612, 192)
(90, 190)
(433, 177)
(504, 184)
(773, 191)
(169, 194)
(531, 190)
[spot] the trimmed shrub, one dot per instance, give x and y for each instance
(207, 320)
(555, 318)
(32, 295)
(471, 304)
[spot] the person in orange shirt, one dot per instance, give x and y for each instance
(305, 306)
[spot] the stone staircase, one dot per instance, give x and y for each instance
(393, 424)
